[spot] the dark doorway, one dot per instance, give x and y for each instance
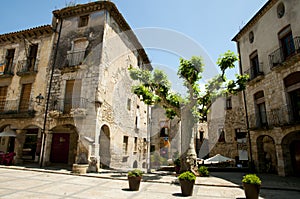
(295, 156)
(60, 148)
(29, 147)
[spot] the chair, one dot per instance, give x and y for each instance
(8, 158)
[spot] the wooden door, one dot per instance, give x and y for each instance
(60, 148)
(3, 93)
(25, 97)
(295, 147)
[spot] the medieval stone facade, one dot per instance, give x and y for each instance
(269, 47)
(92, 115)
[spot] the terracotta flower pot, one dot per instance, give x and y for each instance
(134, 183)
(251, 190)
(187, 187)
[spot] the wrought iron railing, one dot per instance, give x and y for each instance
(16, 106)
(68, 105)
(280, 55)
(254, 72)
(275, 117)
(27, 66)
(75, 58)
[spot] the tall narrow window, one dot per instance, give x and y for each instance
(228, 103)
(137, 118)
(3, 93)
(25, 97)
(72, 95)
(286, 42)
(292, 85)
(9, 59)
(221, 133)
(83, 21)
(32, 55)
(260, 109)
(125, 145)
(135, 144)
(254, 65)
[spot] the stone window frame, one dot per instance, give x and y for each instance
(292, 85)
(260, 108)
(83, 21)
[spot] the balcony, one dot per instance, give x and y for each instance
(277, 117)
(15, 109)
(73, 107)
(6, 71)
(255, 72)
(281, 55)
(75, 58)
(27, 67)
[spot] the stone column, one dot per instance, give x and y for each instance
(19, 143)
(47, 149)
(280, 160)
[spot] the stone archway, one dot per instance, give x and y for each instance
(104, 149)
(291, 153)
(266, 154)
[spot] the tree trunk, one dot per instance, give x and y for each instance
(188, 128)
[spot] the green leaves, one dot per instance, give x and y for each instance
(155, 88)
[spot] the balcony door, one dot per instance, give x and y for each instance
(72, 95)
(33, 49)
(3, 93)
(287, 42)
(25, 97)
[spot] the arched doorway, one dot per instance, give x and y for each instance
(104, 149)
(266, 154)
(291, 153)
(64, 143)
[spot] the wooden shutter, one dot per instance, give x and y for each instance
(3, 93)
(25, 97)
(72, 95)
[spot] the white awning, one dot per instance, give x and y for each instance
(8, 133)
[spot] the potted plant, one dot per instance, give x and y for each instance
(203, 171)
(251, 184)
(177, 165)
(134, 179)
(187, 181)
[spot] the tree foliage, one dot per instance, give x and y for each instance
(155, 88)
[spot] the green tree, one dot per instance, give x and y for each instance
(155, 88)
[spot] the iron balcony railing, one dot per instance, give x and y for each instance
(68, 105)
(275, 117)
(254, 72)
(16, 106)
(75, 58)
(27, 66)
(280, 55)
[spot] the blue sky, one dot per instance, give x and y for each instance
(211, 24)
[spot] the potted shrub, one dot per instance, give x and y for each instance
(251, 184)
(187, 181)
(134, 179)
(203, 171)
(177, 165)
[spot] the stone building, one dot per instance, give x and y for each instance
(92, 115)
(227, 131)
(269, 47)
(24, 60)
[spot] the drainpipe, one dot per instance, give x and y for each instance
(49, 89)
(251, 164)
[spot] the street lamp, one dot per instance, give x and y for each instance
(39, 98)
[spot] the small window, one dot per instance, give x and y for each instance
(128, 104)
(280, 10)
(228, 103)
(251, 37)
(125, 145)
(164, 132)
(135, 144)
(254, 65)
(221, 135)
(83, 21)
